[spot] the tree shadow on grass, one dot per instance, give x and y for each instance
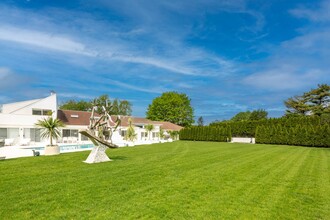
(118, 158)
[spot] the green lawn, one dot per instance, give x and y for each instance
(181, 180)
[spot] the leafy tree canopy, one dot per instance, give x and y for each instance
(173, 107)
(116, 107)
(241, 116)
(250, 116)
(316, 102)
(77, 105)
(258, 115)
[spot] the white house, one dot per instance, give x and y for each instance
(17, 120)
(17, 124)
(78, 120)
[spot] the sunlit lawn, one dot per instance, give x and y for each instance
(181, 180)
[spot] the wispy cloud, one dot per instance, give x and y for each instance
(135, 88)
(76, 95)
(283, 78)
(173, 55)
(13, 83)
(298, 63)
(40, 39)
(317, 15)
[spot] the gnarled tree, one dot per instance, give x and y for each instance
(314, 102)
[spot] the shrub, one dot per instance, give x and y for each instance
(302, 135)
(206, 133)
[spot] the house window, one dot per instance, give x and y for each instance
(33, 134)
(123, 133)
(70, 133)
(155, 134)
(41, 112)
(84, 138)
(144, 134)
(3, 133)
(9, 133)
(46, 112)
(36, 112)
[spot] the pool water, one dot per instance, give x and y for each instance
(69, 148)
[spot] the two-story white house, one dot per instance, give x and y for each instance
(17, 120)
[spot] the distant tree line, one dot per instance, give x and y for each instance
(113, 107)
(306, 121)
(248, 128)
(304, 131)
(250, 116)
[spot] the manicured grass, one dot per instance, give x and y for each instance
(181, 180)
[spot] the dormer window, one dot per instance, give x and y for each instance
(74, 116)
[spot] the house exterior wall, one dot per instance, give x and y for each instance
(19, 116)
(25, 108)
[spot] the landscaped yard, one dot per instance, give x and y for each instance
(181, 180)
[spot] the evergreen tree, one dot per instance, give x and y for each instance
(200, 121)
(316, 102)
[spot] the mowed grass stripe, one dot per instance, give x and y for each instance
(181, 180)
(236, 188)
(261, 182)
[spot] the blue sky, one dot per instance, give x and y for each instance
(227, 56)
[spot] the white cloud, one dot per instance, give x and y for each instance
(42, 39)
(181, 63)
(137, 43)
(76, 95)
(299, 63)
(285, 78)
(133, 87)
(322, 14)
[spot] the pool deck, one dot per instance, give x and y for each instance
(10, 152)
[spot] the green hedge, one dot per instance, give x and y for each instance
(302, 131)
(302, 135)
(248, 128)
(206, 133)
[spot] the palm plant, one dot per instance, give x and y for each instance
(173, 135)
(161, 133)
(149, 128)
(50, 128)
(130, 133)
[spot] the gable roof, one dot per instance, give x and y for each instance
(73, 117)
(170, 126)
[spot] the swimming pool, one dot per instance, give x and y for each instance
(67, 148)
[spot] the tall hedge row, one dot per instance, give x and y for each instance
(248, 128)
(302, 135)
(206, 133)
